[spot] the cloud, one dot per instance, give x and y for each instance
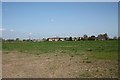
(11, 30)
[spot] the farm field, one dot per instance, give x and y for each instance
(0, 60)
(69, 59)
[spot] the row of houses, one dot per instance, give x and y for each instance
(62, 39)
(85, 37)
(99, 37)
(56, 39)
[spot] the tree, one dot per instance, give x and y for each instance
(65, 39)
(82, 38)
(10, 40)
(47, 39)
(75, 39)
(78, 38)
(24, 40)
(92, 37)
(44, 39)
(85, 36)
(70, 38)
(106, 36)
(17, 39)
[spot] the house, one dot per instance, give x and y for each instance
(61, 39)
(56, 39)
(66, 39)
(103, 37)
(49, 39)
(74, 39)
(92, 38)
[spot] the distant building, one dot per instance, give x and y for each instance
(56, 39)
(103, 37)
(66, 39)
(62, 39)
(92, 38)
(74, 39)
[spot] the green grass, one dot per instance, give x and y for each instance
(0, 45)
(94, 49)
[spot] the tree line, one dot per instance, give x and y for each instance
(84, 37)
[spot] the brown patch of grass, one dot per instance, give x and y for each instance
(22, 65)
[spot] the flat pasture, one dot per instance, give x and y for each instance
(61, 59)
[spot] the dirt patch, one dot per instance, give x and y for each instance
(22, 65)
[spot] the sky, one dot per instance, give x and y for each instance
(60, 0)
(0, 19)
(58, 19)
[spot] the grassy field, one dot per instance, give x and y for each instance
(93, 49)
(69, 59)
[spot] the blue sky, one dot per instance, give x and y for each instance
(0, 19)
(63, 19)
